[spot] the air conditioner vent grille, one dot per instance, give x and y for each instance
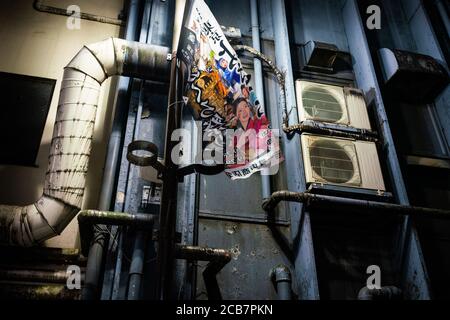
(331, 161)
(321, 105)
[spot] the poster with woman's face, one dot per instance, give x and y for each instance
(220, 94)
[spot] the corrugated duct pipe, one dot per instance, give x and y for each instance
(72, 136)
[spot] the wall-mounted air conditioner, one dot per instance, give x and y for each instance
(332, 104)
(342, 162)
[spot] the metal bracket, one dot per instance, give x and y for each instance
(145, 161)
(202, 169)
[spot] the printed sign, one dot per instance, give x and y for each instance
(219, 93)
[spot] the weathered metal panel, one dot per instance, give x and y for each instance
(255, 253)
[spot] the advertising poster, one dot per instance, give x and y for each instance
(220, 95)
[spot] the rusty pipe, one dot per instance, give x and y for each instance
(218, 259)
(60, 276)
(322, 201)
(282, 279)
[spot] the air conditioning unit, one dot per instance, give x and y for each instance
(344, 162)
(332, 104)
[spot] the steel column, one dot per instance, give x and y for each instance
(305, 269)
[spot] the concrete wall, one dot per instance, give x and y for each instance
(39, 44)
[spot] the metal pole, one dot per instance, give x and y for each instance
(168, 210)
(120, 112)
(301, 234)
(444, 15)
(137, 266)
(281, 276)
(259, 83)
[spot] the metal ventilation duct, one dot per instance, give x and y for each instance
(72, 136)
(412, 77)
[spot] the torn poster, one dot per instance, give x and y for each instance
(219, 93)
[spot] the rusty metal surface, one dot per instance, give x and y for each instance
(30, 291)
(254, 254)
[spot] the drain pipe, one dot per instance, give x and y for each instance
(385, 293)
(444, 14)
(281, 277)
(137, 266)
(168, 208)
(95, 257)
(259, 83)
(363, 206)
(72, 136)
(86, 220)
(180, 6)
(217, 258)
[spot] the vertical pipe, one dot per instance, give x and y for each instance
(121, 103)
(137, 266)
(179, 12)
(304, 262)
(259, 79)
(169, 195)
(95, 256)
(168, 210)
(444, 15)
(281, 277)
(137, 259)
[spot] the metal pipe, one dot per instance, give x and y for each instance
(29, 291)
(442, 9)
(177, 23)
(259, 80)
(90, 290)
(86, 219)
(138, 220)
(120, 111)
(385, 293)
(137, 266)
(35, 276)
(135, 273)
(218, 259)
(324, 129)
(95, 256)
(321, 201)
(39, 6)
(90, 237)
(304, 262)
(168, 209)
(281, 276)
(72, 136)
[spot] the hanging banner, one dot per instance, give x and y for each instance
(220, 95)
